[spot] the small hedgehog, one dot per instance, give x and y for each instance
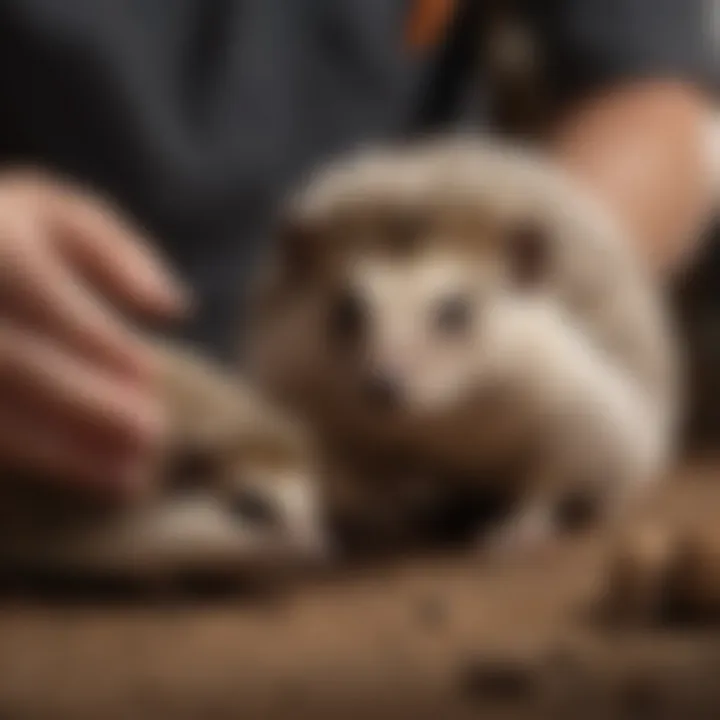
(236, 491)
(463, 305)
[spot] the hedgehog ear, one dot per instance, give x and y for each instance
(529, 254)
(298, 249)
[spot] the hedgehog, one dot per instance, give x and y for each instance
(233, 493)
(463, 308)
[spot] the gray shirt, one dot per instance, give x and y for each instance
(197, 115)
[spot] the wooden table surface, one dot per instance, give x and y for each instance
(398, 642)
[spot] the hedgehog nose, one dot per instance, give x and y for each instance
(383, 390)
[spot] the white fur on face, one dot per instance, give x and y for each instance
(403, 340)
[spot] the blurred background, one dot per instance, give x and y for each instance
(192, 120)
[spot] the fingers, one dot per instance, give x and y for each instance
(76, 381)
(44, 293)
(114, 256)
(57, 453)
(69, 410)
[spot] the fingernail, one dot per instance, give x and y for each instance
(175, 294)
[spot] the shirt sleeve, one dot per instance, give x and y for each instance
(591, 43)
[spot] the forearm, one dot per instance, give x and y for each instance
(642, 150)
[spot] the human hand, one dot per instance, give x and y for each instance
(77, 397)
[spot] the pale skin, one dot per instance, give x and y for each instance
(76, 383)
(641, 150)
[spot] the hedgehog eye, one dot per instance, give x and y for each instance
(347, 317)
(251, 507)
(298, 249)
(454, 315)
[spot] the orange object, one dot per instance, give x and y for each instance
(427, 22)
